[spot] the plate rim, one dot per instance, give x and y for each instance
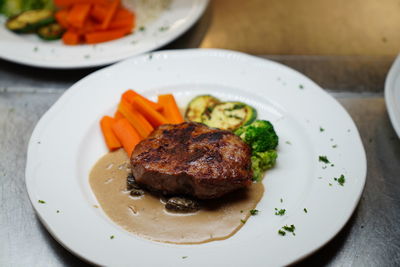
(69, 93)
(393, 108)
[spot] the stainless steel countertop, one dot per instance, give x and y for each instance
(370, 238)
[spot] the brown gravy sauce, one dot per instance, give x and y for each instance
(147, 217)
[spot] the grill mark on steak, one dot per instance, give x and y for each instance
(191, 158)
(216, 136)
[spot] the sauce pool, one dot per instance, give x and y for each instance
(147, 217)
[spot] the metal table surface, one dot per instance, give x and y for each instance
(370, 238)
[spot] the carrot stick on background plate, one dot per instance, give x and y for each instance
(93, 21)
(77, 15)
(66, 3)
(104, 36)
(70, 37)
(112, 8)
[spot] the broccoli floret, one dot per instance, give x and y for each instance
(259, 135)
(262, 161)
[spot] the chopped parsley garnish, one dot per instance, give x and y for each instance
(281, 200)
(112, 237)
(41, 201)
(184, 257)
(142, 28)
(301, 86)
(341, 180)
(254, 212)
(287, 228)
(280, 212)
(150, 56)
(35, 49)
(330, 184)
(163, 28)
(58, 211)
(290, 228)
(334, 146)
(305, 210)
(324, 159)
(243, 221)
(241, 211)
(288, 142)
(332, 165)
(321, 129)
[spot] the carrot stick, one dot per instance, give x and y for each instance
(110, 14)
(123, 18)
(130, 94)
(88, 27)
(126, 134)
(170, 108)
(70, 37)
(98, 12)
(78, 14)
(123, 13)
(118, 115)
(127, 22)
(104, 36)
(66, 3)
(155, 118)
(109, 136)
(61, 17)
(138, 121)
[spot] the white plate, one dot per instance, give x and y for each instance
(67, 142)
(392, 94)
(161, 27)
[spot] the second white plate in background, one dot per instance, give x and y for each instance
(162, 27)
(392, 94)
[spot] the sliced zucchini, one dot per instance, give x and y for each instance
(251, 115)
(229, 115)
(29, 21)
(50, 32)
(11, 8)
(199, 105)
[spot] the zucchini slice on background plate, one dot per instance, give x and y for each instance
(29, 21)
(50, 32)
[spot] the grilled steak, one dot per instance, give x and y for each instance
(192, 159)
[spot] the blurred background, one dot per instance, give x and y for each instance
(312, 27)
